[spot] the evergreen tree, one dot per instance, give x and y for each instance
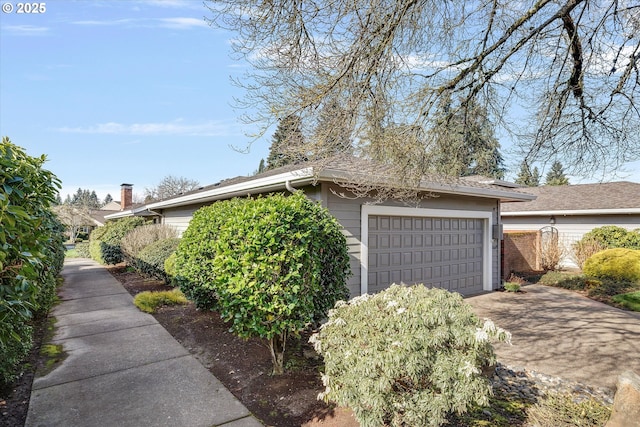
(85, 198)
(261, 166)
(556, 175)
(107, 199)
(465, 143)
(332, 133)
(287, 145)
(528, 178)
(535, 177)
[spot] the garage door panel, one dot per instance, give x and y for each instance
(440, 252)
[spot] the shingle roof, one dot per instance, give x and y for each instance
(611, 195)
(344, 168)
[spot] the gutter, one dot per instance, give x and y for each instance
(619, 211)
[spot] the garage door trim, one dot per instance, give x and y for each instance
(423, 212)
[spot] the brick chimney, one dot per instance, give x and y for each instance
(126, 196)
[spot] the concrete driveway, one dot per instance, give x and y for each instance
(561, 333)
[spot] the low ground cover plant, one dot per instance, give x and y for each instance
(149, 301)
(511, 287)
(270, 266)
(630, 301)
(407, 356)
(557, 409)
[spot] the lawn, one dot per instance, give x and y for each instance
(630, 301)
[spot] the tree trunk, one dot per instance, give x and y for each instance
(277, 347)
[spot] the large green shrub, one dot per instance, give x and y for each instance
(31, 253)
(150, 260)
(170, 268)
(195, 254)
(141, 237)
(617, 264)
(611, 236)
(82, 250)
(270, 265)
(407, 356)
(104, 243)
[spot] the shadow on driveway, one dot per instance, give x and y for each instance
(561, 333)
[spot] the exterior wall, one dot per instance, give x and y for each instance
(570, 228)
(179, 218)
(348, 213)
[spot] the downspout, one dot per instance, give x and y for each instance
(289, 187)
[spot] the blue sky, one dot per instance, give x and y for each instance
(126, 91)
(123, 91)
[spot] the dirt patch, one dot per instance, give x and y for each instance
(244, 366)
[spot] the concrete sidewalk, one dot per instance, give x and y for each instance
(561, 333)
(123, 368)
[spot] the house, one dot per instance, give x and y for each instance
(573, 210)
(450, 239)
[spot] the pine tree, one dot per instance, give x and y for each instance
(108, 199)
(330, 138)
(556, 175)
(287, 144)
(535, 177)
(466, 144)
(528, 178)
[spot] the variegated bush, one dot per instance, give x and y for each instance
(407, 356)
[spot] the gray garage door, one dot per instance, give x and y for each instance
(439, 252)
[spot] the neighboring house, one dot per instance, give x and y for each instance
(574, 210)
(448, 240)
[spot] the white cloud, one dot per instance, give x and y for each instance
(176, 127)
(182, 23)
(177, 23)
(176, 4)
(26, 30)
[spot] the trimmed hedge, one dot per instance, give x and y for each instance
(150, 260)
(170, 269)
(611, 236)
(104, 242)
(270, 265)
(31, 254)
(82, 250)
(617, 264)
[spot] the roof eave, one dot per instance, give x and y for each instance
(260, 185)
(567, 212)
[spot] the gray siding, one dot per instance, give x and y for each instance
(179, 218)
(347, 212)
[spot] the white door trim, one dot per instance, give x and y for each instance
(487, 279)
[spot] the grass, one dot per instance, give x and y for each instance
(71, 253)
(554, 409)
(149, 301)
(630, 301)
(560, 410)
